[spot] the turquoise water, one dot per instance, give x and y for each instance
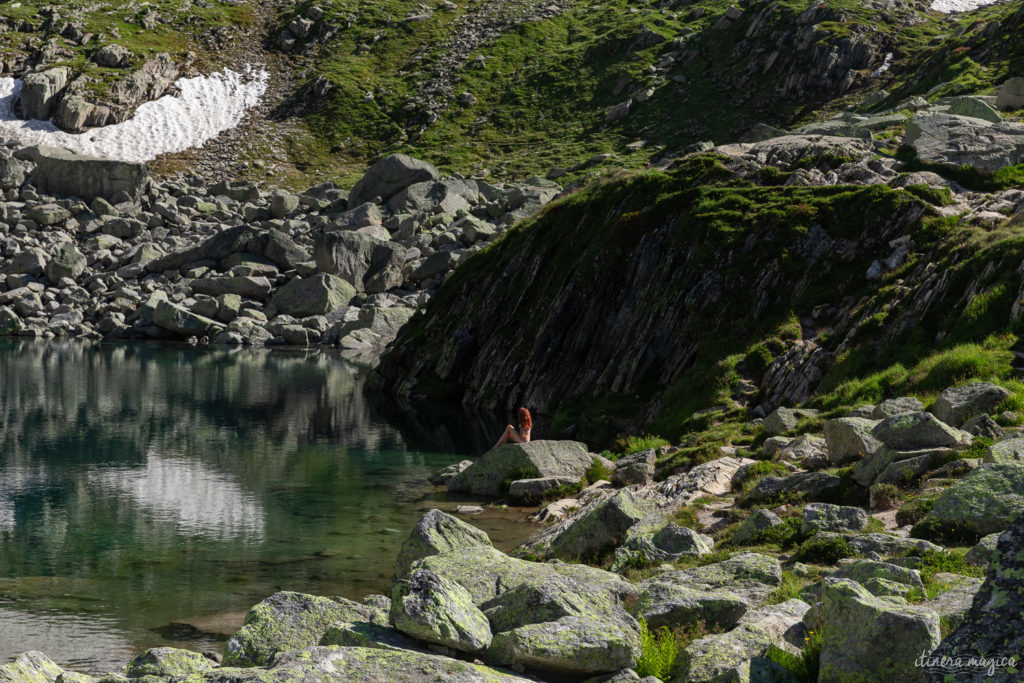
(149, 495)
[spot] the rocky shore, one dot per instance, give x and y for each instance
(128, 258)
(748, 573)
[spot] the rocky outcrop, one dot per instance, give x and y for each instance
(622, 331)
(495, 471)
(993, 629)
(959, 140)
(66, 173)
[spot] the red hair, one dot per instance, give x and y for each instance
(525, 421)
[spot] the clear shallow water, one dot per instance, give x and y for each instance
(150, 495)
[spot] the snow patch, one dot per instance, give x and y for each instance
(950, 6)
(206, 106)
(884, 67)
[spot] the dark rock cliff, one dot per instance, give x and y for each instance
(628, 294)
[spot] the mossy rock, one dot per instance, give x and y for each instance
(289, 621)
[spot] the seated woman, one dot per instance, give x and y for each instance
(521, 432)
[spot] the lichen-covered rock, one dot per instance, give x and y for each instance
(367, 634)
(315, 295)
(181, 321)
(751, 576)
(724, 657)
(436, 533)
(437, 610)
(915, 431)
(808, 485)
(491, 474)
(864, 570)
(986, 501)
(487, 573)
(849, 439)
(549, 600)
(887, 465)
(956, 596)
(897, 406)
(574, 645)
(758, 521)
(956, 405)
(600, 528)
(288, 621)
(652, 545)
(362, 665)
(168, 662)
(388, 177)
(994, 625)
(828, 517)
(807, 450)
(1010, 450)
(872, 638)
(637, 468)
(444, 475)
(780, 421)
(672, 605)
(30, 667)
(887, 544)
(983, 551)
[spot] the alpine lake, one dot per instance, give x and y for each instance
(151, 494)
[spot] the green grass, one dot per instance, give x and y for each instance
(635, 444)
(804, 667)
(788, 589)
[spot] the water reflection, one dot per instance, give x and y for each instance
(147, 492)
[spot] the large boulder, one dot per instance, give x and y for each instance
(739, 655)
(849, 439)
(289, 621)
(40, 92)
(836, 518)
(651, 541)
(436, 533)
(167, 662)
(369, 264)
(750, 576)
(758, 521)
(600, 528)
(66, 261)
(62, 172)
(492, 473)
(809, 485)
(960, 140)
(897, 406)
(437, 610)
(994, 625)
(184, 322)
(663, 603)
(315, 295)
(899, 467)
(872, 638)
(956, 405)
(488, 573)
(390, 176)
(914, 431)
(1011, 94)
(580, 645)
(428, 198)
(986, 501)
(362, 665)
(30, 667)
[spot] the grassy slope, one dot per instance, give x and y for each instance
(177, 33)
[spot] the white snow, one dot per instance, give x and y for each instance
(206, 106)
(884, 67)
(950, 6)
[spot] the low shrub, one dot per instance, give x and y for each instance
(658, 652)
(823, 550)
